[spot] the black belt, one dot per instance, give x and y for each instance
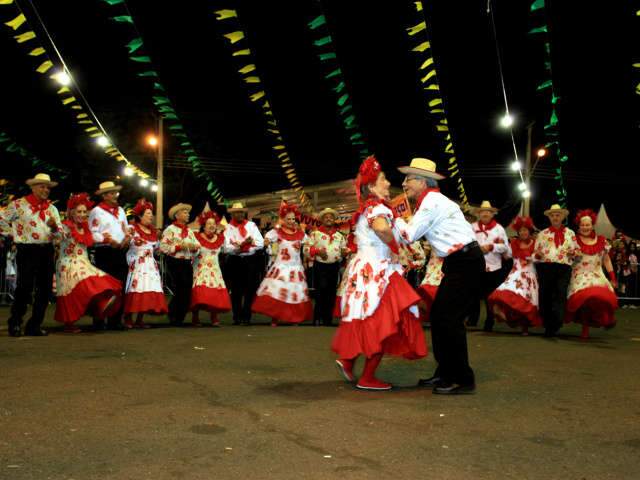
(469, 246)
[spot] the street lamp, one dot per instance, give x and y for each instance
(152, 141)
(541, 152)
(156, 141)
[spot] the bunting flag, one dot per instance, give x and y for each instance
(18, 24)
(138, 55)
(333, 74)
(546, 89)
(427, 73)
(237, 38)
(10, 146)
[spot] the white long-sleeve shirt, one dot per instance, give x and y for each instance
(102, 221)
(500, 248)
(233, 239)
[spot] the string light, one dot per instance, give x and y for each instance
(154, 188)
(128, 171)
(541, 152)
(522, 187)
(102, 141)
(152, 140)
(144, 182)
(62, 77)
(506, 121)
(526, 194)
(516, 166)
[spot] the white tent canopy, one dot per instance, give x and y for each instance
(603, 225)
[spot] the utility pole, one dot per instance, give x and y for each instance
(160, 176)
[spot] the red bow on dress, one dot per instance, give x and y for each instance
(37, 205)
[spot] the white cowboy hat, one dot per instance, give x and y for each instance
(41, 178)
(177, 207)
(106, 187)
(328, 211)
(556, 208)
(422, 167)
(485, 206)
(237, 207)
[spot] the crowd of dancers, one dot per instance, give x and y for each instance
(532, 280)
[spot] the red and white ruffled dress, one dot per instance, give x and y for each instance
(517, 297)
(591, 297)
(81, 288)
(430, 283)
(379, 312)
(143, 292)
(209, 291)
(283, 294)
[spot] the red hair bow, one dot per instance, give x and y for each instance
(525, 222)
(204, 216)
(286, 208)
(586, 213)
(367, 173)
(79, 199)
(141, 207)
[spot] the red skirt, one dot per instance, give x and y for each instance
(337, 312)
(594, 306)
(210, 299)
(428, 295)
(90, 292)
(145, 302)
(392, 329)
(282, 311)
(517, 310)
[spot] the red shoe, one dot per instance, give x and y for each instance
(128, 324)
(373, 384)
(274, 324)
(71, 329)
(345, 368)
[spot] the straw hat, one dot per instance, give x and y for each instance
(237, 207)
(41, 178)
(177, 207)
(328, 211)
(423, 167)
(106, 187)
(485, 206)
(556, 208)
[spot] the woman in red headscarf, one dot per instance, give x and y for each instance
(378, 311)
(143, 292)
(591, 297)
(209, 291)
(515, 302)
(81, 287)
(283, 294)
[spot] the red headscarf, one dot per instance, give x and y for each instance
(286, 208)
(79, 199)
(367, 174)
(525, 222)
(142, 206)
(204, 216)
(75, 201)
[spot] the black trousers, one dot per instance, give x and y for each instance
(554, 281)
(491, 281)
(459, 291)
(181, 278)
(35, 269)
(244, 274)
(325, 277)
(114, 262)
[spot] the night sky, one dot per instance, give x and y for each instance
(592, 57)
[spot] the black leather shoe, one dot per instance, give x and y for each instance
(430, 382)
(116, 326)
(454, 389)
(36, 332)
(15, 331)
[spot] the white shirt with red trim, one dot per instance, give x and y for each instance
(102, 221)
(233, 239)
(497, 239)
(173, 245)
(547, 252)
(332, 244)
(25, 226)
(441, 222)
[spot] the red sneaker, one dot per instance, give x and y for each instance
(345, 368)
(128, 324)
(373, 384)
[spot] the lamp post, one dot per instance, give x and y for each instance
(157, 142)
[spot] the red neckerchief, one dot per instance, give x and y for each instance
(241, 226)
(485, 228)
(184, 229)
(330, 231)
(84, 238)
(558, 235)
(37, 205)
(206, 242)
(519, 251)
(152, 236)
(423, 195)
(351, 243)
(592, 249)
(292, 237)
(108, 208)
(371, 201)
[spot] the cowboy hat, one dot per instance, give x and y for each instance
(106, 187)
(422, 167)
(485, 206)
(41, 178)
(177, 207)
(237, 207)
(556, 208)
(326, 211)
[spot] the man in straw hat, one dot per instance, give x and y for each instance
(326, 248)
(554, 252)
(111, 237)
(451, 237)
(494, 243)
(29, 220)
(245, 264)
(179, 245)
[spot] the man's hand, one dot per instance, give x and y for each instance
(486, 248)
(51, 223)
(137, 241)
(323, 254)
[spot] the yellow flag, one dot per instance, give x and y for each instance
(418, 6)
(16, 22)
(424, 79)
(436, 110)
(5, 2)
(252, 79)
(90, 129)
(279, 147)
(66, 90)
(417, 28)
(37, 51)
(422, 47)
(80, 115)
(76, 107)
(23, 37)
(435, 101)
(95, 135)
(246, 51)
(257, 96)
(234, 37)
(68, 100)
(426, 63)
(433, 86)
(224, 14)
(442, 128)
(247, 68)
(44, 66)
(85, 122)
(452, 160)
(120, 158)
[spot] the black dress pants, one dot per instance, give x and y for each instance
(244, 274)
(181, 276)
(325, 277)
(491, 281)
(114, 262)
(553, 279)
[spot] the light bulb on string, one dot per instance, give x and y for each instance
(516, 165)
(102, 141)
(144, 182)
(526, 194)
(62, 77)
(506, 121)
(154, 188)
(541, 152)
(128, 171)
(522, 186)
